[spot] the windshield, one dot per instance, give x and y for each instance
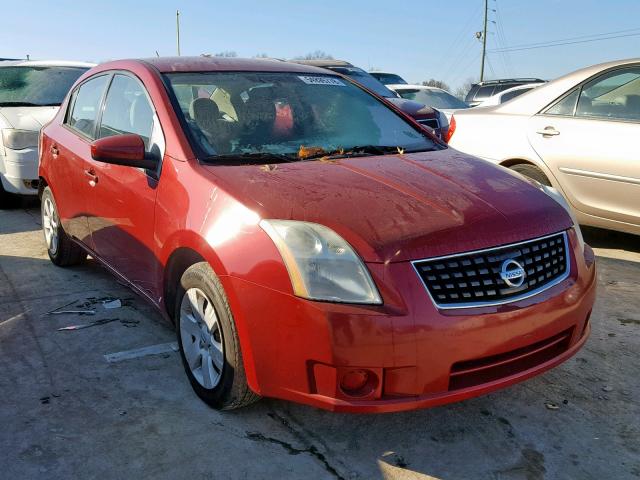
(433, 98)
(365, 79)
(36, 86)
(389, 78)
(296, 116)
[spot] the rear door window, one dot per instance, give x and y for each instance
(85, 105)
(566, 105)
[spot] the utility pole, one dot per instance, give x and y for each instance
(484, 39)
(178, 29)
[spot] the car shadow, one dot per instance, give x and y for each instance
(601, 238)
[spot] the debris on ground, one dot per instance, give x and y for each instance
(77, 312)
(130, 323)
(102, 321)
(142, 352)
(552, 406)
(111, 304)
(87, 306)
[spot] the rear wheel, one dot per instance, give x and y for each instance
(531, 171)
(61, 249)
(208, 340)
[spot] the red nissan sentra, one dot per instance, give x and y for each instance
(309, 241)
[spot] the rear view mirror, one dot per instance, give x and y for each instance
(127, 150)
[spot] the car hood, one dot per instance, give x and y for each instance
(401, 207)
(28, 118)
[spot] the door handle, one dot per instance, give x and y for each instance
(93, 178)
(548, 132)
(54, 150)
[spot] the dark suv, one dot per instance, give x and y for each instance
(482, 90)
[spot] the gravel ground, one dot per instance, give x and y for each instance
(66, 412)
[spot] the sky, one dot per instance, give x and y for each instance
(417, 39)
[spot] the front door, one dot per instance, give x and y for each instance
(68, 156)
(122, 204)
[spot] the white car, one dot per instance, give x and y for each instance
(579, 133)
(30, 95)
(508, 94)
(431, 96)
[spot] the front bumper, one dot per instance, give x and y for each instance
(19, 171)
(420, 356)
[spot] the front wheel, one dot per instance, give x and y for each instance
(208, 340)
(62, 250)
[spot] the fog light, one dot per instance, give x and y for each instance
(358, 383)
(31, 184)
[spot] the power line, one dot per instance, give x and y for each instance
(569, 41)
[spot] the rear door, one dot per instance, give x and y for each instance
(122, 202)
(590, 138)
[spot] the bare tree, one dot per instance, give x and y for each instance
(226, 53)
(463, 89)
(261, 55)
(432, 82)
(317, 55)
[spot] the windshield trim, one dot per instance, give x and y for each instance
(206, 159)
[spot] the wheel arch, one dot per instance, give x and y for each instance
(185, 250)
(510, 162)
(42, 184)
(178, 262)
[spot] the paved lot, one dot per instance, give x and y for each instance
(65, 412)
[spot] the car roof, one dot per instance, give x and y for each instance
(46, 63)
(410, 86)
(324, 63)
(224, 64)
(508, 80)
(520, 87)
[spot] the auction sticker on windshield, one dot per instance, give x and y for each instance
(312, 80)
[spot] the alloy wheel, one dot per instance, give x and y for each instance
(201, 338)
(50, 225)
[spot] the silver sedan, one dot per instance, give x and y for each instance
(579, 133)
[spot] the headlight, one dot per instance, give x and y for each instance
(558, 197)
(321, 264)
(19, 139)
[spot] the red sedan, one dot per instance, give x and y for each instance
(310, 242)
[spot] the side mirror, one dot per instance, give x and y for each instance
(127, 150)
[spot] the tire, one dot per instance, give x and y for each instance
(212, 361)
(531, 171)
(62, 251)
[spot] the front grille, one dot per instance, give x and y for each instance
(492, 276)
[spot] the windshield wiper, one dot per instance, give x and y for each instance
(356, 151)
(251, 158)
